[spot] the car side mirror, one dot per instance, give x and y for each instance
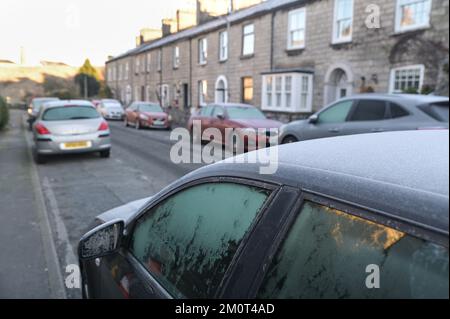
(221, 117)
(101, 241)
(313, 119)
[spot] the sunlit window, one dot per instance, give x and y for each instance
(412, 14)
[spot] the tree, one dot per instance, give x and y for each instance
(87, 77)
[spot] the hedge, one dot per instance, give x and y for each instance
(4, 113)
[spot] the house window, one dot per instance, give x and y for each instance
(176, 57)
(147, 93)
(407, 79)
(247, 90)
(159, 61)
(278, 90)
(269, 94)
(412, 14)
(248, 40)
(296, 31)
(136, 93)
(127, 70)
(202, 51)
(149, 60)
(343, 21)
(138, 65)
(290, 92)
(164, 97)
(202, 92)
(223, 45)
(143, 68)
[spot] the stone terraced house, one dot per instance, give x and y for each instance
(291, 57)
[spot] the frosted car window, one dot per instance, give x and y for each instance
(326, 255)
(188, 241)
(337, 113)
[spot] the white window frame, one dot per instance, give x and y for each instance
(147, 93)
(202, 51)
(291, 16)
(127, 70)
(148, 62)
(398, 16)
(338, 39)
(420, 67)
(223, 46)
(176, 57)
(137, 65)
(295, 92)
(164, 98)
(244, 36)
(159, 66)
(202, 92)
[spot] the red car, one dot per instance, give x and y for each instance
(147, 114)
(245, 119)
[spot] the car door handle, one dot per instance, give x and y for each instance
(377, 130)
(334, 130)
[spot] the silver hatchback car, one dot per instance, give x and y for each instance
(67, 127)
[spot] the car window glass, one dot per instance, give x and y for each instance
(397, 111)
(327, 254)
(218, 110)
(188, 241)
(369, 110)
(206, 110)
(70, 113)
(438, 111)
(336, 114)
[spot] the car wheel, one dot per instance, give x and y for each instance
(39, 158)
(105, 154)
(289, 139)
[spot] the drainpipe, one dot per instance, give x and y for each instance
(272, 32)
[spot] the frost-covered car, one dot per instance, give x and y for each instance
(348, 217)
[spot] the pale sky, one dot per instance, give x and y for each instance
(72, 30)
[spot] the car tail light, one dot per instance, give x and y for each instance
(104, 126)
(41, 129)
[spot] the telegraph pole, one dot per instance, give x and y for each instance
(85, 87)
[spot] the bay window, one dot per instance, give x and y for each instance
(287, 92)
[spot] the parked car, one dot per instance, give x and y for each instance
(245, 119)
(35, 106)
(371, 113)
(147, 115)
(338, 215)
(111, 110)
(66, 127)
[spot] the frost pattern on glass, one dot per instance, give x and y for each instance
(102, 241)
(189, 240)
(326, 253)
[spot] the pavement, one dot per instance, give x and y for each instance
(24, 270)
(45, 209)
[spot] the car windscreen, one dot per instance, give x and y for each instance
(245, 113)
(67, 113)
(438, 111)
(155, 108)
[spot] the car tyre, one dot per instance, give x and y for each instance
(105, 154)
(39, 158)
(289, 140)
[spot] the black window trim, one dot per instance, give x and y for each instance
(147, 278)
(350, 208)
(391, 104)
(356, 104)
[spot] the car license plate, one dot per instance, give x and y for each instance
(76, 145)
(158, 122)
